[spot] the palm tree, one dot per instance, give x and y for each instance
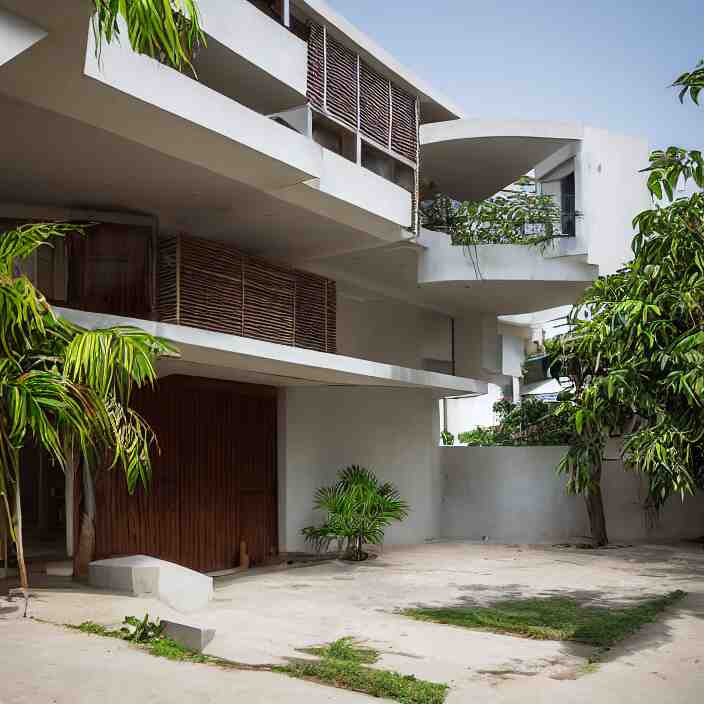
(359, 509)
(64, 388)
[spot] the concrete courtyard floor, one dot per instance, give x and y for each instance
(264, 619)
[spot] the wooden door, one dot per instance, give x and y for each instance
(214, 482)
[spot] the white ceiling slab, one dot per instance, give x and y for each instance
(474, 159)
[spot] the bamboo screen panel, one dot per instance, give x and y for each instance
(343, 86)
(404, 125)
(341, 83)
(374, 105)
(210, 285)
(316, 67)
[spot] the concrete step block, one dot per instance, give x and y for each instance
(188, 635)
(182, 589)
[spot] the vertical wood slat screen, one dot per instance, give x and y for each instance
(404, 124)
(344, 86)
(209, 285)
(316, 67)
(375, 105)
(341, 83)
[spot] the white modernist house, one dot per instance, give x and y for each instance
(262, 214)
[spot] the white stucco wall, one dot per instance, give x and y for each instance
(392, 432)
(246, 30)
(612, 193)
(511, 494)
(465, 414)
(392, 332)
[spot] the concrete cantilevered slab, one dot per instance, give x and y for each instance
(220, 355)
(474, 159)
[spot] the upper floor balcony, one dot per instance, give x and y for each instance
(231, 315)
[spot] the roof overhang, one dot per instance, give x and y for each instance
(434, 105)
(219, 355)
(474, 159)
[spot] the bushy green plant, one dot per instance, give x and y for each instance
(447, 438)
(358, 509)
(514, 217)
(480, 436)
(530, 422)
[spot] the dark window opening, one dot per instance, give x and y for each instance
(567, 204)
(387, 167)
(334, 137)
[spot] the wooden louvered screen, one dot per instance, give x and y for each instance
(316, 67)
(209, 285)
(404, 124)
(343, 86)
(374, 105)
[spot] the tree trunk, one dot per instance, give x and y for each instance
(595, 510)
(86, 543)
(17, 530)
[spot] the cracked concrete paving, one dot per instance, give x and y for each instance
(265, 618)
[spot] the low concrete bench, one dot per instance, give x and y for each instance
(182, 589)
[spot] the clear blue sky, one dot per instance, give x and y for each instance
(604, 63)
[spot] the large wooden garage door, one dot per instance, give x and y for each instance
(214, 481)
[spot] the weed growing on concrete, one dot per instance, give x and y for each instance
(149, 636)
(554, 618)
(345, 649)
(342, 664)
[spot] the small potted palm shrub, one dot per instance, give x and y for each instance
(358, 509)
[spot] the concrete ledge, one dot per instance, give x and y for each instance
(189, 636)
(140, 575)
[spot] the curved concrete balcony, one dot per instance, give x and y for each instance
(474, 159)
(503, 278)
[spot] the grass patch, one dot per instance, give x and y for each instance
(148, 636)
(554, 618)
(345, 649)
(343, 663)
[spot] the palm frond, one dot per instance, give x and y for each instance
(21, 241)
(358, 510)
(40, 404)
(115, 360)
(167, 30)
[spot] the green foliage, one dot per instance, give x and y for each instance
(691, 82)
(342, 665)
(62, 387)
(168, 30)
(635, 354)
(345, 649)
(143, 630)
(149, 635)
(514, 217)
(553, 618)
(359, 508)
(479, 437)
(672, 166)
(447, 438)
(635, 350)
(530, 422)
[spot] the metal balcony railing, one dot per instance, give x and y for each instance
(568, 215)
